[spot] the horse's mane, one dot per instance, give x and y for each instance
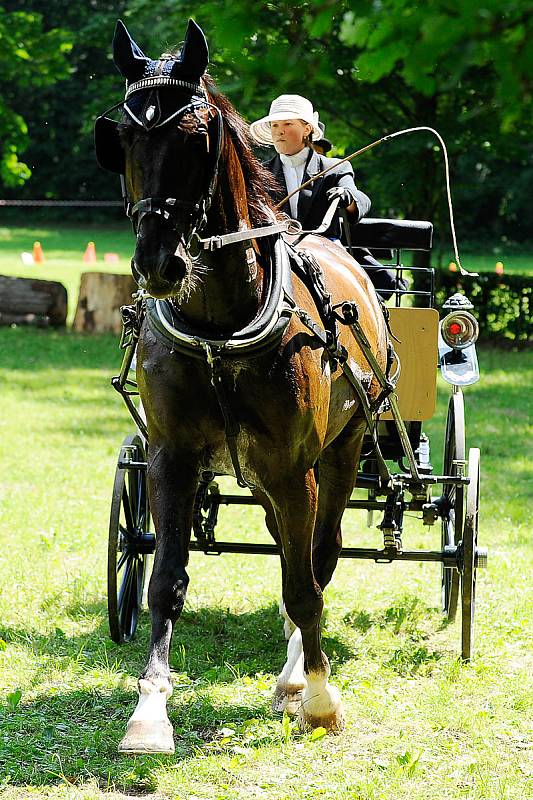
(257, 178)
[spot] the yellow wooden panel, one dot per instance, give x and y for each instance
(417, 330)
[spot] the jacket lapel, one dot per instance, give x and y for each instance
(276, 169)
(313, 166)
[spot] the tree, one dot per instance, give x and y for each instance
(460, 66)
(29, 56)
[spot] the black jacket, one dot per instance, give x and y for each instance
(312, 201)
(313, 204)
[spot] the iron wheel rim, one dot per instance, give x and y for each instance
(126, 569)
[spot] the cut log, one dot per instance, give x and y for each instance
(99, 301)
(31, 301)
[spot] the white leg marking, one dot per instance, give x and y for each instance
(149, 729)
(152, 703)
(321, 703)
(291, 681)
(288, 626)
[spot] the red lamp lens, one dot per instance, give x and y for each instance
(455, 328)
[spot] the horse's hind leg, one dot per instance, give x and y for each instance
(338, 465)
(295, 504)
(172, 490)
(291, 682)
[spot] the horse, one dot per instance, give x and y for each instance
(270, 405)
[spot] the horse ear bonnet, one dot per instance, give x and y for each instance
(194, 56)
(189, 65)
(128, 57)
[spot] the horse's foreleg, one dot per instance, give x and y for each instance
(296, 509)
(172, 489)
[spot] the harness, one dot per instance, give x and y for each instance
(265, 332)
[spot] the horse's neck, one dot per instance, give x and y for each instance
(229, 288)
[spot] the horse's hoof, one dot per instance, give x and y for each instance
(147, 737)
(288, 701)
(323, 712)
(334, 722)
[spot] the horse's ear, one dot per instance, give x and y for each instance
(128, 56)
(194, 56)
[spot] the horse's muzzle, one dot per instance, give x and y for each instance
(165, 277)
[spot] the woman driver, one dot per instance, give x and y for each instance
(290, 127)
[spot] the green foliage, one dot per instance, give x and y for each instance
(31, 56)
(434, 47)
(370, 68)
(503, 304)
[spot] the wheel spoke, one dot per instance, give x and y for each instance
(127, 510)
(126, 566)
(122, 560)
(126, 580)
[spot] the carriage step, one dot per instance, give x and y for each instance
(482, 557)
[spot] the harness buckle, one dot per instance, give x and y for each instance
(215, 242)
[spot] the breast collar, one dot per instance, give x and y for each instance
(261, 335)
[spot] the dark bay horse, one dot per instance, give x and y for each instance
(189, 169)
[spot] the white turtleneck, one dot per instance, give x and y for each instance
(293, 169)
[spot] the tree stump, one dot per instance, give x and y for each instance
(99, 301)
(31, 301)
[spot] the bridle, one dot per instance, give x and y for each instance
(173, 209)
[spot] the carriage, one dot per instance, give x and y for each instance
(396, 479)
(264, 353)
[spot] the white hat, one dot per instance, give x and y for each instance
(286, 106)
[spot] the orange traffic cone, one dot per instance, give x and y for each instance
(89, 257)
(38, 255)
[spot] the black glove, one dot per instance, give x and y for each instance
(343, 194)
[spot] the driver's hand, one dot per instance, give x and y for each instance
(343, 194)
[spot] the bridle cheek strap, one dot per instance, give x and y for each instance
(171, 208)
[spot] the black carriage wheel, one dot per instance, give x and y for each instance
(469, 555)
(127, 558)
(453, 499)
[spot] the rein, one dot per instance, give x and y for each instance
(386, 139)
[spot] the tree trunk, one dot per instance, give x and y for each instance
(30, 301)
(101, 296)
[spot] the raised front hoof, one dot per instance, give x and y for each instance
(288, 701)
(147, 737)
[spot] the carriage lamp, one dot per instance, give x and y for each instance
(459, 329)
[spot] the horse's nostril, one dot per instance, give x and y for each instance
(174, 269)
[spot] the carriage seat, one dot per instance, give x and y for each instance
(392, 234)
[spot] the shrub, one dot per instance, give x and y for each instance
(502, 304)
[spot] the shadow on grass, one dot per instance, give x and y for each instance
(73, 734)
(72, 737)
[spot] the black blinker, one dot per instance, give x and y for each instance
(109, 150)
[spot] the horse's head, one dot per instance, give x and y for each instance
(168, 140)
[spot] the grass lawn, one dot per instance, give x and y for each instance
(420, 725)
(64, 248)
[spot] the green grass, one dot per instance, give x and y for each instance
(485, 260)
(64, 247)
(421, 726)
